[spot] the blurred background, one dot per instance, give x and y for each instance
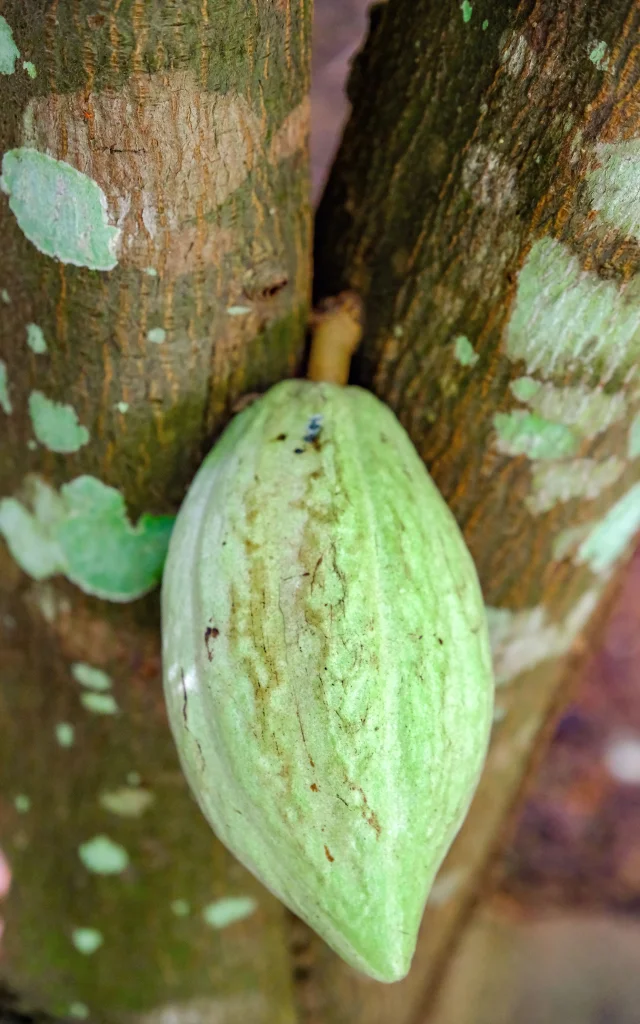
(559, 943)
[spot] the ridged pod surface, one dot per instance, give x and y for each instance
(326, 664)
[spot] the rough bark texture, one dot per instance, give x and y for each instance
(484, 203)
(192, 118)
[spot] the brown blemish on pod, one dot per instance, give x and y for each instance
(210, 633)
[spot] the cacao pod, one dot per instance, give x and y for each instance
(326, 663)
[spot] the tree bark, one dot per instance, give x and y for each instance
(191, 118)
(484, 204)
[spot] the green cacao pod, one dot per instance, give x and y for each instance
(326, 664)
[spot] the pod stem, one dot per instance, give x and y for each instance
(337, 329)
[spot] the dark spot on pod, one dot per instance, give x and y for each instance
(298, 451)
(314, 426)
(281, 437)
(328, 854)
(314, 788)
(210, 633)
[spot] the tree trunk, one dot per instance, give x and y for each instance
(484, 203)
(192, 118)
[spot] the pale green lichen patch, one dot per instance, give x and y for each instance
(4, 295)
(60, 210)
(103, 856)
(87, 940)
(524, 388)
(122, 407)
(83, 533)
(614, 186)
(30, 68)
(565, 318)
(238, 310)
(127, 802)
(611, 537)
(9, 52)
(467, 11)
(22, 803)
(485, 25)
(157, 335)
(33, 547)
(89, 676)
(36, 340)
(464, 351)
(560, 417)
(222, 913)
(634, 438)
(588, 412)
(151, 271)
(598, 55)
(180, 908)
(65, 734)
(99, 703)
(554, 483)
(5, 400)
(525, 433)
(56, 425)
(78, 1010)
(567, 541)
(523, 639)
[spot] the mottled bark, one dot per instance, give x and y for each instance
(484, 204)
(192, 118)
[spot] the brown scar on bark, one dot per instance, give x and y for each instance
(293, 133)
(167, 155)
